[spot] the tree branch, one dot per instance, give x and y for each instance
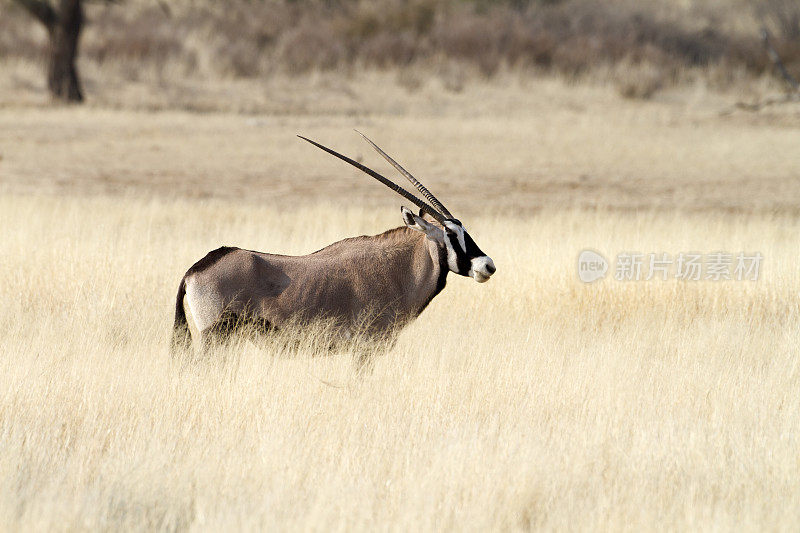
(776, 59)
(42, 10)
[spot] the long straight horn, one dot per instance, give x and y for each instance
(420, 187)
(389, 183)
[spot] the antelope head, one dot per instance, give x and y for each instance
(464, 257)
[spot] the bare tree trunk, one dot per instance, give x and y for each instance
(62, 75)
(64, 28)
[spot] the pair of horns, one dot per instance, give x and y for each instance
(437, 210)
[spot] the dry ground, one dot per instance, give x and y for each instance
(530, 402)
(515, 144)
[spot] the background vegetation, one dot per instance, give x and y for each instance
(639, 46)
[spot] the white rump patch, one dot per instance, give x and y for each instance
(201, 305)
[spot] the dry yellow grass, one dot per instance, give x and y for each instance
(530, 402)
(533, 401)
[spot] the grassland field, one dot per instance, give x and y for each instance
(531, 402)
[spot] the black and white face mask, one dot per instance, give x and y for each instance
(463, 255)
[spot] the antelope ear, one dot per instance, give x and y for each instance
(413, 221)
(417, 223)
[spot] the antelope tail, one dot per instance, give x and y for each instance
(181, 337)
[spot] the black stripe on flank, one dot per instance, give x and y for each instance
(211, 259)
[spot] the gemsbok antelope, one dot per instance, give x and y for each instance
(392, 276)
